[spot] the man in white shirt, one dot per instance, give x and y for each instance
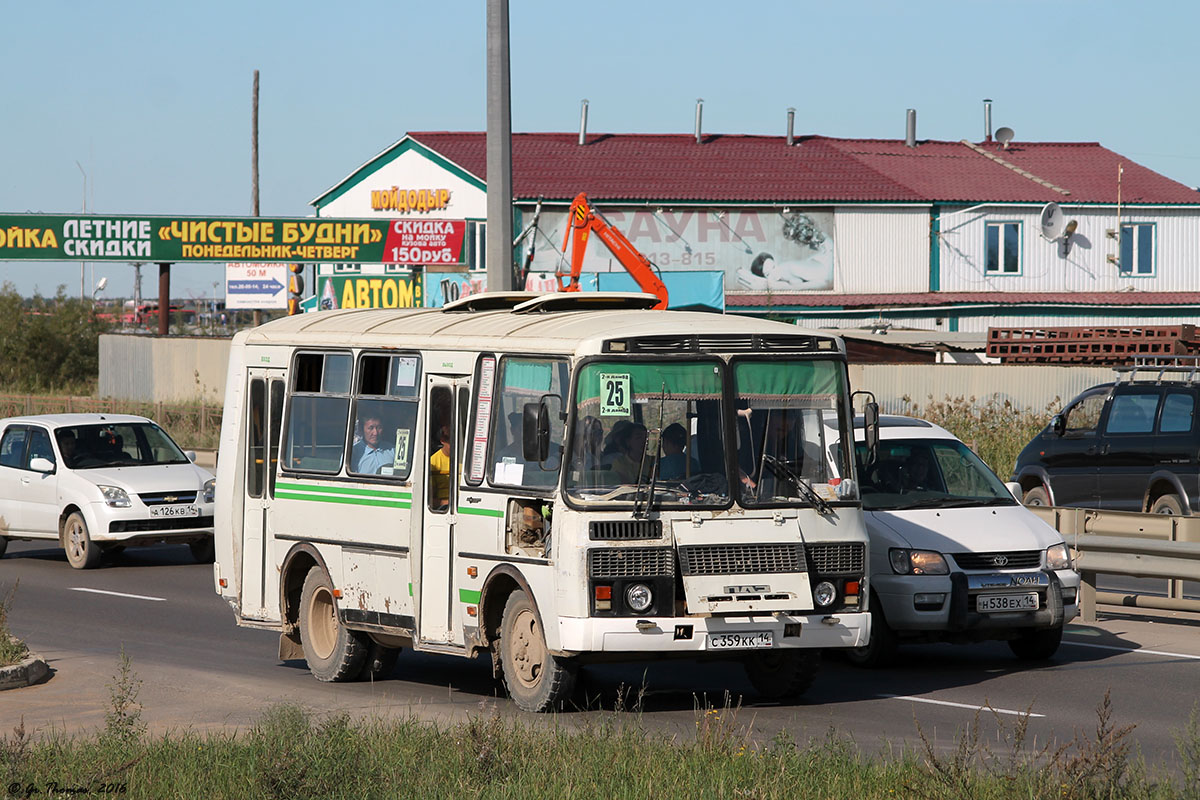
(370, 455)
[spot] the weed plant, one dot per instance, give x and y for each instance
(294, 753)
(12, 649)
(993, 427)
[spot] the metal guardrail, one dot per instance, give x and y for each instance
(1131, 544)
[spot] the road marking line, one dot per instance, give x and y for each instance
(959, 705)
(1134, 650)
(119, 594)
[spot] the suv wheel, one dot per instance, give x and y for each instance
(1037, 496)
(1167, 504)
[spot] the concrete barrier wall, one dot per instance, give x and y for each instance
(169, 369)
(183, 369)
(1027, 387)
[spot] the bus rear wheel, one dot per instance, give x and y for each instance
(782, 674)
(333, 653)
(536, 679)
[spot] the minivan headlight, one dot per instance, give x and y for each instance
(917, 562)
(1058, 556)
(114, 496)
(210, 490)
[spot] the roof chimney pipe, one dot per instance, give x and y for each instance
(791, 137)
(699, 113)
(910, 129)
(583, 122)
(987, 120)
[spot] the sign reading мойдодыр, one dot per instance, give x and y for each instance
(64, 237)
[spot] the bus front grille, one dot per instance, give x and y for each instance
(630, 562)
(848, 558)
(618, 529)
(741, 559)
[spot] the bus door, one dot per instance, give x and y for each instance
(446, 401)
(264, 412)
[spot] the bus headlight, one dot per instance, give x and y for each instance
(639, 597)
(824, 593)
(1058, 557)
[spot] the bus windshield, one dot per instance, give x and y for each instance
(781, 450)
(650, 431)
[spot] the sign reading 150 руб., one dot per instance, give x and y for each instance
(39, 237)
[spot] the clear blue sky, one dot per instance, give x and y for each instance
(153, 99)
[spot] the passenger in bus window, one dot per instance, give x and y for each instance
(371, 454)
(439, 471)
(591, 432)
(675, 464)
(627, 463)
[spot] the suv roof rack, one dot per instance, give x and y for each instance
(1189, 365)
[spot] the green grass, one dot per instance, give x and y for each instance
(12, 649)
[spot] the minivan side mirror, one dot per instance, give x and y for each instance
(1058, 424)
(535, 432)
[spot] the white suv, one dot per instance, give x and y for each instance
(97, 482)
(954, 556)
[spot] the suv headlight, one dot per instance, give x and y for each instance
(1058, 556)
(115, 496)
(917, 562)
(210, 490)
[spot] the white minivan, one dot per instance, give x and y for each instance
(99, 482)
(954, 556)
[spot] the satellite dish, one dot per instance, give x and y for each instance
(1051, 221)
(1004, 136)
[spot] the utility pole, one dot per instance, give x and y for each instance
(254, 169)
(83, 264)
(499, 151)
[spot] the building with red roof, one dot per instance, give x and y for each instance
(943, 235)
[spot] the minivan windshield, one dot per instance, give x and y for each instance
(928, 473)
(121, 444)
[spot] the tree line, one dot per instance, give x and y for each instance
(48, 343)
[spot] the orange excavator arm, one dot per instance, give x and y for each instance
(582, 221)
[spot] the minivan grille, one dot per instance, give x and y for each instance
(741, 559)
(834, 559)
(168, 498)
(1016, 559)
(630, 562)
(619, 530)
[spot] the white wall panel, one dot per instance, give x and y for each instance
(882, 250)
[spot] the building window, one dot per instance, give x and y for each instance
(1003, 248)
(477, 246)
(1137, 250)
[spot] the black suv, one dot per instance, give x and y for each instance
(1132, 445)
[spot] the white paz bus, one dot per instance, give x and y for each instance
(548, 481)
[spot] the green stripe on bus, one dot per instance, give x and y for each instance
(470, 596)
(481, 512)
(353, 501)
(308, 487)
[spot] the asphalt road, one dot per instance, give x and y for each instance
(200, 671)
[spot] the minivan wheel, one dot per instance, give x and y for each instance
(880, 649)
(1167, 504)
(1037, 496)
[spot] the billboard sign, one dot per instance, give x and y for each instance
(71, 237)
(256, 286)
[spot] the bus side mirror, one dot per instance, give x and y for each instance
(535, 432)
(1058, 424)
(871, 430)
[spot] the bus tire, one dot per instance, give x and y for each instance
(782, 674)
(82, 552)
(333, 652)
(3, 545)
(536, 679)
(204, 550)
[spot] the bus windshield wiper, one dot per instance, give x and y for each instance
(662, 398)
(783, 470)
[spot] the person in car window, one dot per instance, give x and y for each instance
(675, 463)
(67, 445)
(917, 474)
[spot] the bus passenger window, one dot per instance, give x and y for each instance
(318, 412)
(526, 381)
(385, 416)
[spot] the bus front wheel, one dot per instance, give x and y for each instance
(536, 679)
(333, 653)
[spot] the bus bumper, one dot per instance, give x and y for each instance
(712, 634)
